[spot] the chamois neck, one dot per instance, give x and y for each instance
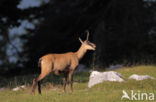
(81, 51)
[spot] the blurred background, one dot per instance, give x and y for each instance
(123, 30)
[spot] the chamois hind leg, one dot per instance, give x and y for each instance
(33, 86)
(45, 70)
(71, 80)
(37, 80)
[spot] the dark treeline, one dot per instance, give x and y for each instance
(124, 31)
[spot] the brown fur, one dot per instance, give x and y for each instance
(62, 63)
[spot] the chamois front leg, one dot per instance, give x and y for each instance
(39, 87)
(65, 81)
(71, 80)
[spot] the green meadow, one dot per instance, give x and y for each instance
(52, 89)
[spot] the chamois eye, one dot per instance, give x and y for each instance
(90, 44)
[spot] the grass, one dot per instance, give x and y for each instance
(52, 90)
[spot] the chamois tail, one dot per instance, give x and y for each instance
(39, 62)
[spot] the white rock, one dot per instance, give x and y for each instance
(2, 89)
(22, 87)
(99, 77)
(140, 77)
(16, 89)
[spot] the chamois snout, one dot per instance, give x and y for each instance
(94, 46)
(89, 45)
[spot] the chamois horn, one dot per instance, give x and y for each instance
(87, 34)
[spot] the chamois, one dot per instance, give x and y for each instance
(65, 63)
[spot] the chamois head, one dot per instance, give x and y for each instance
(87, 44)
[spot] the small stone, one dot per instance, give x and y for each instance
(2, 89)
(140, 77)
(16, 89)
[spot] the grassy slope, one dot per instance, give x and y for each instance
(104, 92)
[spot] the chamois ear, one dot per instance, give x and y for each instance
(87, 35)
(80, 40)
